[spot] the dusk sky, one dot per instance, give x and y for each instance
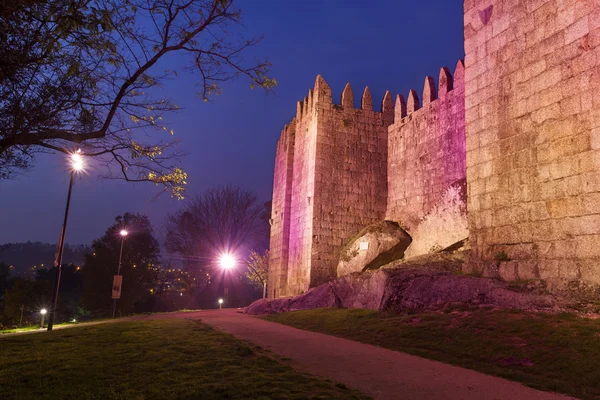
(390, 44)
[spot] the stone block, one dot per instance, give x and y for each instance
(508, 271)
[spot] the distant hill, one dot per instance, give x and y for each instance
(26, 258)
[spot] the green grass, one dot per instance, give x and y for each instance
(167, 359)
(558, 353)
(23, 329)
(31, 328)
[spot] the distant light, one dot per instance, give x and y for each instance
(227, 261)
(73, 320)
(77, 160)
(43, 311)
(123, 232)
(220, 301)
(180, 294)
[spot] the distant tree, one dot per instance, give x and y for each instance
(258, 269)
(222, 220)
(4, 278)
(139, 266)
(69, 298)
(86, 74)
(26, 297)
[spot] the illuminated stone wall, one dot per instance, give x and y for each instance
(426, 164)
(533, 135)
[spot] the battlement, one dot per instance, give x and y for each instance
(430, 94)
(321, 96)
(287, 135)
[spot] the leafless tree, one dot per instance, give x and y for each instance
(86, 74)
(224, 220)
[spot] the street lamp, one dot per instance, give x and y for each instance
(118, 279)
(227, 262)
(220, 304)
(77, 165)
(43, 311)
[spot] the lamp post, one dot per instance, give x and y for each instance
(118, 279)
(76, 166)
(43, 311)
(227, 262)
(220, 304)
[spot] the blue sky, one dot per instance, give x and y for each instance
(386, 44)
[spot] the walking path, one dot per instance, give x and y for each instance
(380, 373)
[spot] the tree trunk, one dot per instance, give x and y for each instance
(264, 290)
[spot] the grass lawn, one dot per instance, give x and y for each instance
(160, 359)
(558, 353)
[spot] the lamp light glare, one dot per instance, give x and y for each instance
(43, 311)
(220, 301)
(227, 261)
(123, 232)
(77, 161)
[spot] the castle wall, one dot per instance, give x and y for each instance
(301, 208)
(426, 164)
(351, 175)
(280, 214)
(533, 135)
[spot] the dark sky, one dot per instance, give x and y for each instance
(385, 44)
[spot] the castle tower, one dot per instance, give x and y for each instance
(334, 186)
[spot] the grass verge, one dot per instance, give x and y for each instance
(559, 353)
(166, 359)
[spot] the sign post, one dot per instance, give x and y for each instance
(116, 291)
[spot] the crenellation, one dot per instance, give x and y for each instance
(322, 91)
(347, 100)
(367, 100)
(413, 102)
(400, 110)
(429, 92)
(445, 82)
(387, 107)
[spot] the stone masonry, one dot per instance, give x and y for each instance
(533, 135)
(506, 152)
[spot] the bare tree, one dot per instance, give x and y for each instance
(85, 74)
(222, 220)
(258, 269)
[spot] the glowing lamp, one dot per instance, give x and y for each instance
(227, 261)
(77, 161)
(123, 232)
(43, 311)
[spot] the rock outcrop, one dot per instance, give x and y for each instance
(409, 286)
(374, 246)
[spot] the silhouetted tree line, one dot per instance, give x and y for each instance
(223, 220)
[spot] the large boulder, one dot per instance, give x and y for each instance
(374, 246)
(445, 224)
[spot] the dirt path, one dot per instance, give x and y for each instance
(381, 373)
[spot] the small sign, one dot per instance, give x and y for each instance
(116, 287)
(364, 245)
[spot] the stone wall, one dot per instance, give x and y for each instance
(302, 193)
(351, 175)
(426, 164)
(533, 135)
(281, 209)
